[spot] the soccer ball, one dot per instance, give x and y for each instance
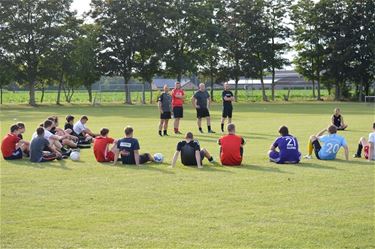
(74, 155)
(158, 157)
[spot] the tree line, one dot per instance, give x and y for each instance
(44, 42)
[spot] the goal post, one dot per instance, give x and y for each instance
(115, 93)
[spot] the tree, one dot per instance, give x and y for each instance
(31, 27)
(7, 72)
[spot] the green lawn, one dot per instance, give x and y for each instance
(317, 204)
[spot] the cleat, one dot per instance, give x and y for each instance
(356, 156)
(308, 157)
(212, 132)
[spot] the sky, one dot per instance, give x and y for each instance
(81, 6)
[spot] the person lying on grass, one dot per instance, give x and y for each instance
(101, 147)
(37, 148)
(368, 146)
(287, 146)
(191, 153)
(13, 147)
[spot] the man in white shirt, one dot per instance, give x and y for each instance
(81, 130)
(367, 146)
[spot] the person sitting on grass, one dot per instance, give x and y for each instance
(69, 141)
(38, 146)
(13, 147)
(231, 147)
(68, 127)
(338, 120)
(22, 129)
(367, 146)
(331, 145)
(101, 150)
(288, 148)
(128, 147)
(191, 153)
(84, 134)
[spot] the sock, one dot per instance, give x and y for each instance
(222, 127)
(310, 148)
(200, 128)
(359, 149)
(160, 133)
(210, 159)
(165, 132)
(209, 127)
(175, 130)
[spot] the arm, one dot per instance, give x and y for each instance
(88, 131)
(54, 150)
(273, 148)
(194, 102)
(160, 108)
(371, 151)
(136, 157)
(208, 102)
(333, 120)
(174, 160)
(198, 158)
(117, 153)
(321, 133)
(342, 121)
(346, 150)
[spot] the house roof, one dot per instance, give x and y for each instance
(281, 77)
(160, 82)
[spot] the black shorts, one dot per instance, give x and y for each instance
(193, 162)
(178, 112)
(202, 112)
(227, 112)
(317, 148)
(144, 158)
(165, 115)
(17, 154)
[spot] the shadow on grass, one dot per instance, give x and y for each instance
(148, 167)
(60, 164)
(316, 166)
(262, 168)
(356, 161)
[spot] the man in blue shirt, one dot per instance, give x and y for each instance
(331, 144)
(287, 146)
(128, 147)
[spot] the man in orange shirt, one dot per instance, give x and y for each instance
(13, 147)
(101, 143)
(178, 96)
(231, 150)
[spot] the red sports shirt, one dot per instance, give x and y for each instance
(101, 149)
(230, 153)
(8, 145)
(176, 101)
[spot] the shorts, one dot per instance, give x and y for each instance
(165, 115)
(366, 150)
(17, 154)
(227, 112)
(110, 156)
(143, 158)
(203, 112)
(178, 112)
(194, 162)
(275, 157)
(317, 148)
(48, 158)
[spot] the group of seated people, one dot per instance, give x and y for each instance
(49, 142)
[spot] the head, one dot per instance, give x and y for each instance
(129, 131)
(104, 132)
(165, 88)
(70, 119)
(40, 131)
(373, 126)
(231, 129)
(226, 86)
(84, 119)
(337, 111)
(53, 119)
(189, 136)
(283, 130)
(202, 87)
(48, 124)
(177, 85)
(15, 129)
(21, 127)
(332, 129)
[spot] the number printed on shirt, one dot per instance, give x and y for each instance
(332, 148)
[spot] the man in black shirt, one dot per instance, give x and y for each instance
(201, 102)
(165, 108)
(227, 96)
(191, 153)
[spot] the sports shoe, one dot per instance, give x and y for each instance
(308, 157)
(201, 131)
(212, 161)
(211, 131)
(178, 132)
(356, 156)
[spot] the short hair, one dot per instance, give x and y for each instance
(189, 135)
(373, 125)
(53, 118)
(332, 129)
(14, 128)
(48, 123)
(128, 130)
(283, 130)
(336, 109)
(104, 132)
(84, 117)
(39, 131)
(69, 118)
(21, 125)
(231, 127)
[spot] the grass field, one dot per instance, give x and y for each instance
(316, 204)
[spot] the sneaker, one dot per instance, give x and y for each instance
(211, 131)
(356, 156)
(178, 133)
(213, 161)
(201, 131)
(308, 157)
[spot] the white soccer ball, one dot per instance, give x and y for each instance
(158, 157)
(74, 156)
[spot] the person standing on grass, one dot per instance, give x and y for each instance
(13, 147)
(287, 146)
(228, 98)
(38, 146)
(201, 102)
(128, 148)
(101, 150)
(165, 108)
(231, 147)
(191, 153)
(338, 120)
(331, 145)
(367, 146)
(178, 96)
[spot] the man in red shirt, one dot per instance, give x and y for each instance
(231, 150)
(13, 147)
(101, 143)
(178, 96)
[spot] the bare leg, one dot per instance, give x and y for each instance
(70, 143)
(161, 124)
(176, 123)
(166, 124)
(229, 120)
(206, 154)
(199, 122)
(208, 121)
(363, 141)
